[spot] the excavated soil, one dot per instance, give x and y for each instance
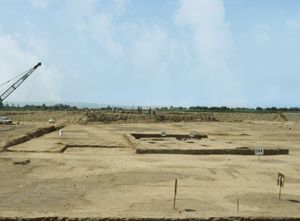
(96, 116)
(100, 176)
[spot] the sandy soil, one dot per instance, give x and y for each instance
(100, 175)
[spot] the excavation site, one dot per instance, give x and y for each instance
(225, 169)
(149, 110)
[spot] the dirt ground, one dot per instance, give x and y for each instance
(92, 171)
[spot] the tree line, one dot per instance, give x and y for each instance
(139, 109)
(43, 107)
(230, 109)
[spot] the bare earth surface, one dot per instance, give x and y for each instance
(92, 171)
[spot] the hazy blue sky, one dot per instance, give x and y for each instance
(154, 52)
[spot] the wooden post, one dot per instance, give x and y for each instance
(279, 192)
(175, 193)
(280, 182)
(238, 204)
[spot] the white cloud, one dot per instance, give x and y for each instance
(262, 34)
(181, 65)
(78, 9)
(98, 24)
(119, 6)
(40, 4)
(150, 51)
(212, 36)
(293, 23)
(44, 83)
(213, 44)
(103, 30)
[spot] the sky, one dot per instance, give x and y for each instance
(153, 52)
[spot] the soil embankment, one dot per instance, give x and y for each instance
(106, 117)
(28, 136)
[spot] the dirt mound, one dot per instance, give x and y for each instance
(239, 117)
(106, 117)
(281, 117)
(61, 117)
(292, 117)
(102, 116)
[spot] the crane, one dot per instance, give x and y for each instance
(15, 85)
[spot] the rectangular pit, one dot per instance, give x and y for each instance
(187, 144)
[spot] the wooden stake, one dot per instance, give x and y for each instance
(280, 183)
(238, 205)
(175, 193)
(279, 192)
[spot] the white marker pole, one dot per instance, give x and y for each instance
(60, 132)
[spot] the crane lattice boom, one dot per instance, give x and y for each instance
(15, 85)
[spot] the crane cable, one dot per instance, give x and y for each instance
(1, 85)
(30, 92)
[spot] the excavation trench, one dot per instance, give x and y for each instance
(267, 152)
(90, 146)
(66, 147)
(140, 142)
